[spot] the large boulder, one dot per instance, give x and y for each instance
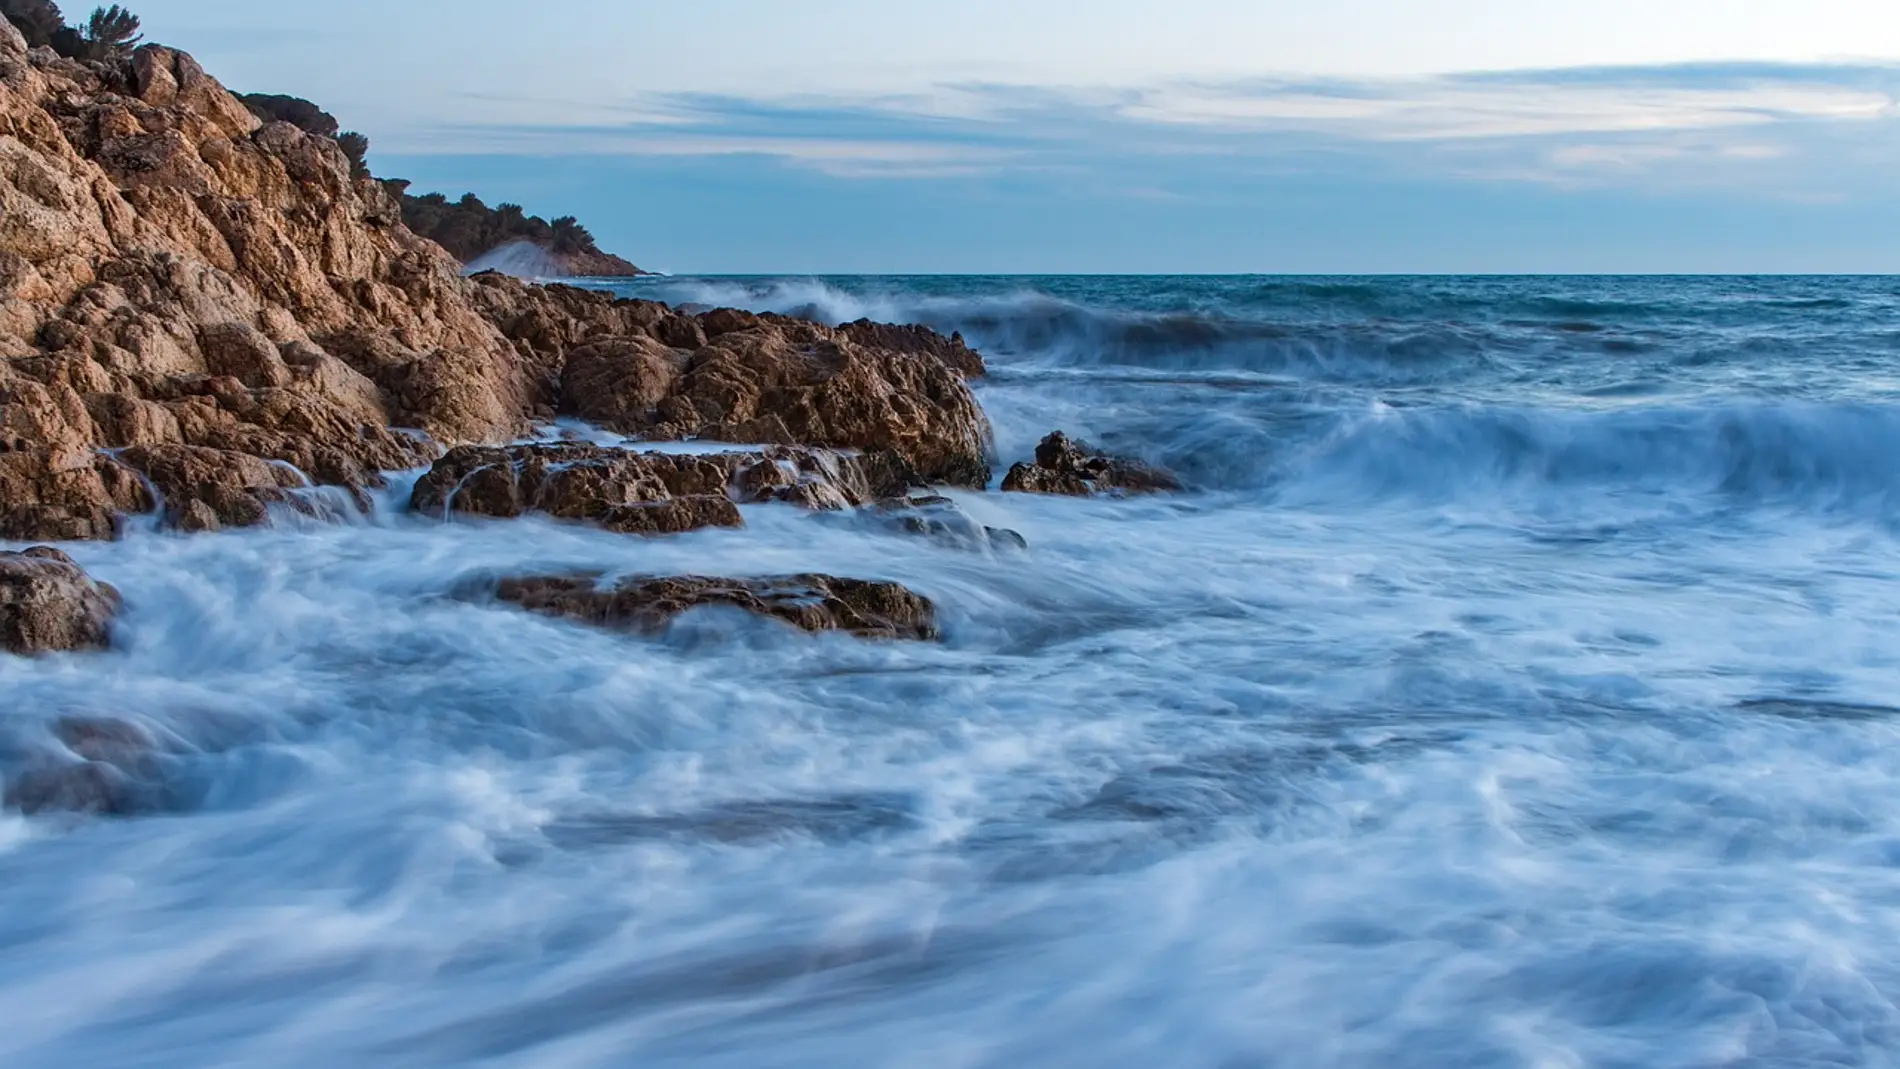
(866, 608)
(648, 492)
(48, 604)
(1075, 469)
(644, 369)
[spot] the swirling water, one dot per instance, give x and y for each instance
(1515, 686)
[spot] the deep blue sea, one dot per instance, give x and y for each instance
(1516, 685)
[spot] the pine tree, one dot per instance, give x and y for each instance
(570, 236)
(112, 31)
(356, 147)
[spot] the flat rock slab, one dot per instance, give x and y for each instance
(862, 607)
(49, 604)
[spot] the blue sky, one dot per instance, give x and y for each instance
(1194, 135)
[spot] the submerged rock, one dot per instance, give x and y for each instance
(938, 519)
(649, 493)
(49, 604)
(1066, 466)
(866, 608)
(101, 766)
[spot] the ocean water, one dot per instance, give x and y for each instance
(1518, 684)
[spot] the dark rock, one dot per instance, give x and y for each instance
(1066, 466)
(866, 608)
(940, 520)
(648, 493)
(105, 767)
(49, 604)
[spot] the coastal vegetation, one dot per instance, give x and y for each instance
(466, 226)
(109, 32)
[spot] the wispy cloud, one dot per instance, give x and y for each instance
(1792, 129)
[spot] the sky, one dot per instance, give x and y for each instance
(1028, 136)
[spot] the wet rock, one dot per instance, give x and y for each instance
(49, 604)
(647, 493)
(938, 519)
(212, 489)
(100, 766)
(867, 608)
(1066, 466)
(839, 818)
(794, 383)
(56, 495)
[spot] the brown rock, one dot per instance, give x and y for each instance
(646, 493)
(184, 270)
(917, 340)
(642, 369)
(49, 604)
(620, 382)
(177, 273)
(1066, 466)
(865, 608)
(65, 495)
(212, 489)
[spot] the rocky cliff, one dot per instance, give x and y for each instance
(201, 310)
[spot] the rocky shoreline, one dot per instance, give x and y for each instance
(211, 318)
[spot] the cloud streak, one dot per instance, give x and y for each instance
(1792, 130)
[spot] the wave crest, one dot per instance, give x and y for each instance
(1809, 456)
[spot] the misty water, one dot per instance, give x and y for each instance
(1515, 685)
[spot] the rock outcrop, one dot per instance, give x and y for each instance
(174, 272)
(644, 369)
(647, 492)
(48, 604)
(177, 272)
(1072, 468)
(866, 608)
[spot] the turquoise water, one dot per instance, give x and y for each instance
(1514, 686)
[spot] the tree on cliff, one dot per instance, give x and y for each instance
(570, 236)
(112, 31)
(298, 112)
(109, 33)
(356, 147)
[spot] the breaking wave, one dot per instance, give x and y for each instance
(1513, 686)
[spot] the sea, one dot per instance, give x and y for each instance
(1516, 684)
